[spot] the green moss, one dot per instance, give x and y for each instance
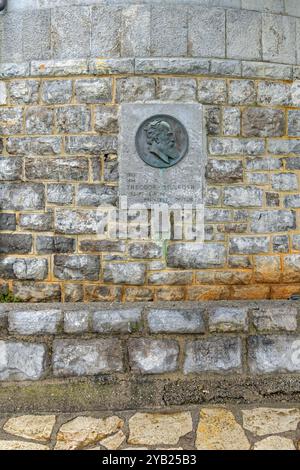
(9, 297)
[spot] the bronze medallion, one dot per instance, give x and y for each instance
(161, 141)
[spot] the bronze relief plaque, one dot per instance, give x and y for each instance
(161, 141)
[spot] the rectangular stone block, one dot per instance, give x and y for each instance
(11, 121)
(54, 244)
(66, 168)
(229, 146)
(10, 168)
(86, 357)
(73, 119)
(206, 32)
(147, 250)
(172, 65)
(195, 255)
(3, 93)
(228, 319)
(91, 145)
(291, 268)
(96, 195)
(279, 38)
(106, 119)
(39, 120)
(177, 89)
(231, 121)
(212, 91)
(24, 91)
(244, 29)
(80, 221)
(275, 318)
(57, 91)
(241, 92)
(176, 321)
(106, 31)
(34, 145)
(274, 93)
(168, 31)
(67, 25)
(153, 356)
(136, 20)
(22, 361)
(15, 243)
(111, 66)
(59, 68)
(117, 320)
(135, 89)
(218, 354)
(249, 245)
(76, 267)
(272, 221)
(227, 171)
(102, 246)
(93, 90)
(27, 269)
(243, 196)
(7, 221)
(125, 273)
(259, 122)
(294, 123)
(37, 222)
(284, 182)
(60, 194)
(25, 196)
(33, 322)
(37, 291)
(11, 69)
(76, 321)
(273, 354)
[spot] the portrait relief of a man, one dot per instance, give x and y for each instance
(161, 140)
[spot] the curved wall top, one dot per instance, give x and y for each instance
(251, 30)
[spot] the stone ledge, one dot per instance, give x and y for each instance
(149, 66)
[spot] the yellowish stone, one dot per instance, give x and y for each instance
(157, 428)
(114, 442)
(275, 443)
(218, 430)
(85, 431)
(262, 421)
(38, 428)
(20, 445)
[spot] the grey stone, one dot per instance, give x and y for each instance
(54, 244)
(73, 119)
(173, 65)
(281, 318)
(212, 120)
(10, 168)
(76, 267)
(106, 119)
(294, 123)
(168, 31)
(80, 221)
(136, 31)
(177, 89)
(230, 146)
(3, 93)
(227, 171)
(135, 89)
(57, 91)
(176, 321)
(258, 178)
(292, 7)
(96, 195)
(281, 243)
(15, 243)
(27, 196)
(213, 355)
(281, 147)
(241, 92)
(10, 69)
(60, 194)
(284, 182)
(117, 320)
(272, 199)
(259, 122)
(239, 262)
(22, 361)
(7, 221)
(292, 200)
(272, 221)
(33, 322)
(218, 215)
(91, 145)
(65, 168)
(195, 255)
(231, 121)
(279, 38)
(33, 145)
(31, 269)
(11, 120)
(24, 91)
(273, 354)
(206, 32)
(121, 273)
(102, 246)
(249, 245)
(93, 90)
(153, 356)
(243, 196)
(244, 30)
(228, 319)
(296, 243)
(76, 321)
(39, 120)
(291, 268)
(73, 293)
(267, 70)
(67, 25)
(59, 68)
(106, 31)
(86, 357)
(274, 93)
(232, 68)
(111, 66)
(36, 222)
(37, 291)
(275, 6)
(170, 278)
(212, 197)
(147, 250)
(263, 163)
(212, 91)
